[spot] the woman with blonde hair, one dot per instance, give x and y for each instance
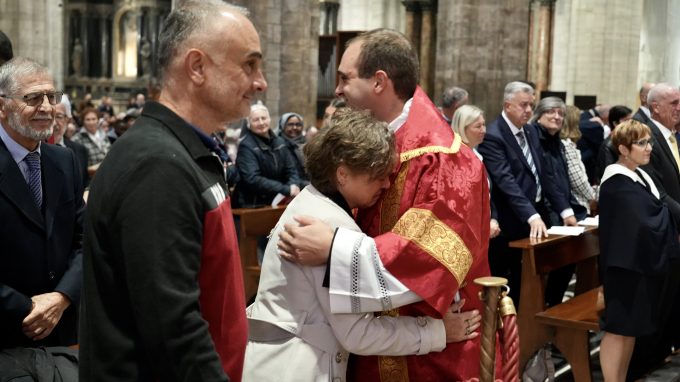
(468, 122)
(578, 178)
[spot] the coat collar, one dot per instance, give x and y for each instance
(178, 126)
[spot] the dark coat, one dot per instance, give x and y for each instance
(266, 168)
(556, 164)
(41, 250)
(663, 169)
(296, 153)
(153, 220)
(592, 135)
(81, 156)
(514, 185)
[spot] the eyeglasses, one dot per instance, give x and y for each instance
(555, 113)
(644, 142)
(296, 124)
(36, 99)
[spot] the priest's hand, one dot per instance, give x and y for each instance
(45, 314)
(307, 243)
(461, 326)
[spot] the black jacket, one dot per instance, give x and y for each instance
(266, 167)
(295, 149)
(150, 221)
(556, 165)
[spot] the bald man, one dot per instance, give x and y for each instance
(164, 293)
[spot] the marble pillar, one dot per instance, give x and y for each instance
(413, 22)
(289, 35)
(540, 43)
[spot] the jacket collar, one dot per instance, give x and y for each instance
(178, 126)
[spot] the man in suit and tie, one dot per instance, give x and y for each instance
(41, 205)
(643, 114)
(513, 158)
(663, 101)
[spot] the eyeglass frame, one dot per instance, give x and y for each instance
(36, 99)
(644, 142)
(297, 124)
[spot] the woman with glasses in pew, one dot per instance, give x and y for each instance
(638, 242)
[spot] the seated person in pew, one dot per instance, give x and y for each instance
(293, 333)
(638, 242)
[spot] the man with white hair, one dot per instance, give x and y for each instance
(522, 185)
(163, 287)
(663, 101)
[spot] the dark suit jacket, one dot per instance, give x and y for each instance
(592, 135)
(641, 117)
(81, 156)
(514, 185)
(41, 250)
(664, 171)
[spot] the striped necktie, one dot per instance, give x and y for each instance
(34, 180)
(527, 154)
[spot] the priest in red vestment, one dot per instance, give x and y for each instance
(431, 228)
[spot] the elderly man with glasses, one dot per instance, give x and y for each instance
(41, 206)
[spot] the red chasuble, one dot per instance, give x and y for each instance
(432, 233)
(222, 296)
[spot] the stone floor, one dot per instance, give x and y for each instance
(669, 372)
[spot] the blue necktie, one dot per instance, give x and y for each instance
(527, 154)
(34, 181)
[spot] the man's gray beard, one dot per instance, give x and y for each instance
(26, 131)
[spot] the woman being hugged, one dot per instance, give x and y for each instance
(293, 335)
(638, 240)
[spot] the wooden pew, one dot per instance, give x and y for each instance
(566, 324)
(254, 222)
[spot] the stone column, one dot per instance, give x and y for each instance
(413, 22)
(540, 43)
(427, 40)
(152, 23)
(481, 46)
(105, 48)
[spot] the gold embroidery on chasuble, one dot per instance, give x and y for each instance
(455, 147)
(430, 234)
(395, 368)
(392, 368)
(389, 209)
